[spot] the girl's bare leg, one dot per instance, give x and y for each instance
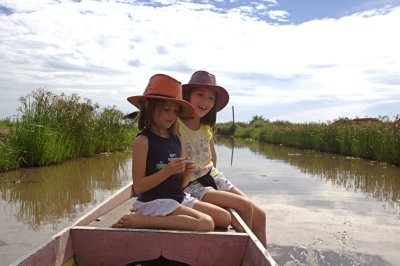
(226, 199)
(221, 217)
(259, 224)
(191, 219)
(183, 218)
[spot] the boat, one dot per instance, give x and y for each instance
(92, 241)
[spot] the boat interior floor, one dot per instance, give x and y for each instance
(112, 216)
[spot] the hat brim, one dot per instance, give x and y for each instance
(186, 110)
(222, 98)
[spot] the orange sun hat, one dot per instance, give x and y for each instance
(164, 87)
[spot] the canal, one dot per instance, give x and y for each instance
(322, 209)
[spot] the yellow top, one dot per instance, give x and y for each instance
(196, 147)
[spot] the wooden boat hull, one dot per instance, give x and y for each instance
(85, 244)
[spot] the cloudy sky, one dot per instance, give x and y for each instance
(295, 60)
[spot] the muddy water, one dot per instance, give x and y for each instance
(322, 209)
(36, 203)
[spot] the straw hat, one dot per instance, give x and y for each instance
(165, 88)
(205, 79)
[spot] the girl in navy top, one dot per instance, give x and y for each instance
(158, 169)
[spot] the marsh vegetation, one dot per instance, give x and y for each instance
(53, 128)
(375, 139)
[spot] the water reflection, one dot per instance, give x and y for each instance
(38, 196)
(315, 214)
(322, 209)
(379, 180)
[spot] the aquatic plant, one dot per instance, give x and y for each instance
(375, 139)
(54, 128)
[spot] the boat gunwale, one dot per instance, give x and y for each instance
(161, 231)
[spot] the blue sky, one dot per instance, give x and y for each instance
(295, 60)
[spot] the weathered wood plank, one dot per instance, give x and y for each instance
(255, 254)
(112, 216)
(123, 246)
(118, 198)
(55, 251)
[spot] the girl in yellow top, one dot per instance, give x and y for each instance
(208, 184)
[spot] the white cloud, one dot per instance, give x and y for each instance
(108, 50)
(279, 15)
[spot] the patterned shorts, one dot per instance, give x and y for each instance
(195, 189)
(162, 207)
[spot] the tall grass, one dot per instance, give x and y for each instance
(53, 128)
(377, 140)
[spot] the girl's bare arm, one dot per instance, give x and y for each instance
(213, 153)
(190, 166)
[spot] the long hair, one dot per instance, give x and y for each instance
(211, 117)
(146, 116)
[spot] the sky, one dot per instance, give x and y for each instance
(295, 60)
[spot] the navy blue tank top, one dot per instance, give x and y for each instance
(160, 151)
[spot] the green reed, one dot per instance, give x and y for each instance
(54, 128)
(378, 140)
(8, 156)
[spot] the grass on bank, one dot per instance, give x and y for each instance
(54, 128)
(374, 139)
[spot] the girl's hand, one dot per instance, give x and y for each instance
(176, 166)
(189, 170)
(190, 166)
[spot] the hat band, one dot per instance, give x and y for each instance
(162, 95)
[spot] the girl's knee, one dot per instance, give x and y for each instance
(259, 214)
(206, 223)
(246, 205)
(225, 219)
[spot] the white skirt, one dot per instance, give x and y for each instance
(162, 207)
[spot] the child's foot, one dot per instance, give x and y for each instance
(132, 220)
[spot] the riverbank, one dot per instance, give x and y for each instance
(55, 128)
(371, 139)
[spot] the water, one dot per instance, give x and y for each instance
(36, 203)
(322, 209)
